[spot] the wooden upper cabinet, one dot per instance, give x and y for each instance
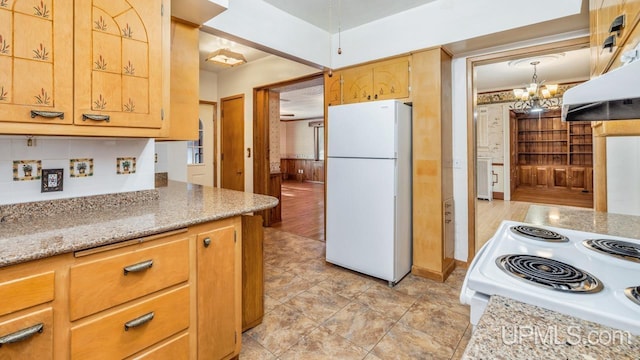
(357, 84)
(36, 52)
(380, 81)
(391, 79)
(185, 77)
(333, 85)
(602, 15)
(118, 63)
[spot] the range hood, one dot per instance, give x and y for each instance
(612, 96)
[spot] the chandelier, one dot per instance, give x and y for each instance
(536, 98)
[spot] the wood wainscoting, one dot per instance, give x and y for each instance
(302, 169)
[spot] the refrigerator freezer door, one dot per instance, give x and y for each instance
(363, 130)
(361, 215)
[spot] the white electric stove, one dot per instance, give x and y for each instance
(590, 276)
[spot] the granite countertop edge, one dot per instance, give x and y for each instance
(33, 239)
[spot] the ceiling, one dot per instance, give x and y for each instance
(305, 100)
(345, 14)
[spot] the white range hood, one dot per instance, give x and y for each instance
(612, 96)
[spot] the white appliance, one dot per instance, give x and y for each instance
(612, 96)
(369, 188)
(606, 286)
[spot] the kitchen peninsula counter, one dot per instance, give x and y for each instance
(510, 329)
(64, 226)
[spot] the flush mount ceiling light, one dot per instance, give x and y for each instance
(536, 98)
(226, 57)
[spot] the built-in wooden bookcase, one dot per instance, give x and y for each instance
(546, 140)
(552, 153)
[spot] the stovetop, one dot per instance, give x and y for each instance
(603, 299)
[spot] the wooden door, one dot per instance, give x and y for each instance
(36, 57)
(232, 143)
(118, 63)
(560, 177)
(216, 263)
(540, 176)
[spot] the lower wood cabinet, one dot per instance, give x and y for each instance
(556, 176)
(32, 333)
(219, 259)
(252, 271)
(123, 332)
(174, 295)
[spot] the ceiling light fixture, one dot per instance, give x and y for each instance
(536, 98)
(226, 57)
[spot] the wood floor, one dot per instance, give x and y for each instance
(553, 196)
(303, 212)
(302, 209)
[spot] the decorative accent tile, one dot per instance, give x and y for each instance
(81, 167)
(25, 170)
(52, 180)
(126, 165)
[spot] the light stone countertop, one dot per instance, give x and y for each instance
(178, 205)
(509, 329)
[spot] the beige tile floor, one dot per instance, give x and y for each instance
(314, 310)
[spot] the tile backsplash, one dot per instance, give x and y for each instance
(57, 152)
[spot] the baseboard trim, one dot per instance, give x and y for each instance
(498, 195)
(462, 264)
(434, 275)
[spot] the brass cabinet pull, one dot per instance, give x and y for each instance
(206, 242)
(21, 335)
(47, 114)
(138, 267)
(96, 117)
(139, 321)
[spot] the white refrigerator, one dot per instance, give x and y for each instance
(369, 188)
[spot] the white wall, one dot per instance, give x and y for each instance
(623, 172)
(432, 24)
(299, 140)
(56, 153)
(243, 79)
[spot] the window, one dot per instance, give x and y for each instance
(195, 150)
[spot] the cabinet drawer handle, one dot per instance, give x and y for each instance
(21, 335)
(95, 117)
(138, 267)
(139, 321)
(47, 114)
(206, 242)
(609, 42)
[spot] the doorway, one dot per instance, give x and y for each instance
(201, 153)
(289, 154)
(477, 224)
(232, 142)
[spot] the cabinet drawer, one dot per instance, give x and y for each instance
(103, 283)
(177, 348)
(35, 345)
(26, 292)
(107, 337)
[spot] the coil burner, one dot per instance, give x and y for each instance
(549, 273)
(633, 293)
(535, 233)
(621, 249)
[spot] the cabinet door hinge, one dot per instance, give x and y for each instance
(162, 114)
(162, 9)
(235, 236)
(235, 337)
